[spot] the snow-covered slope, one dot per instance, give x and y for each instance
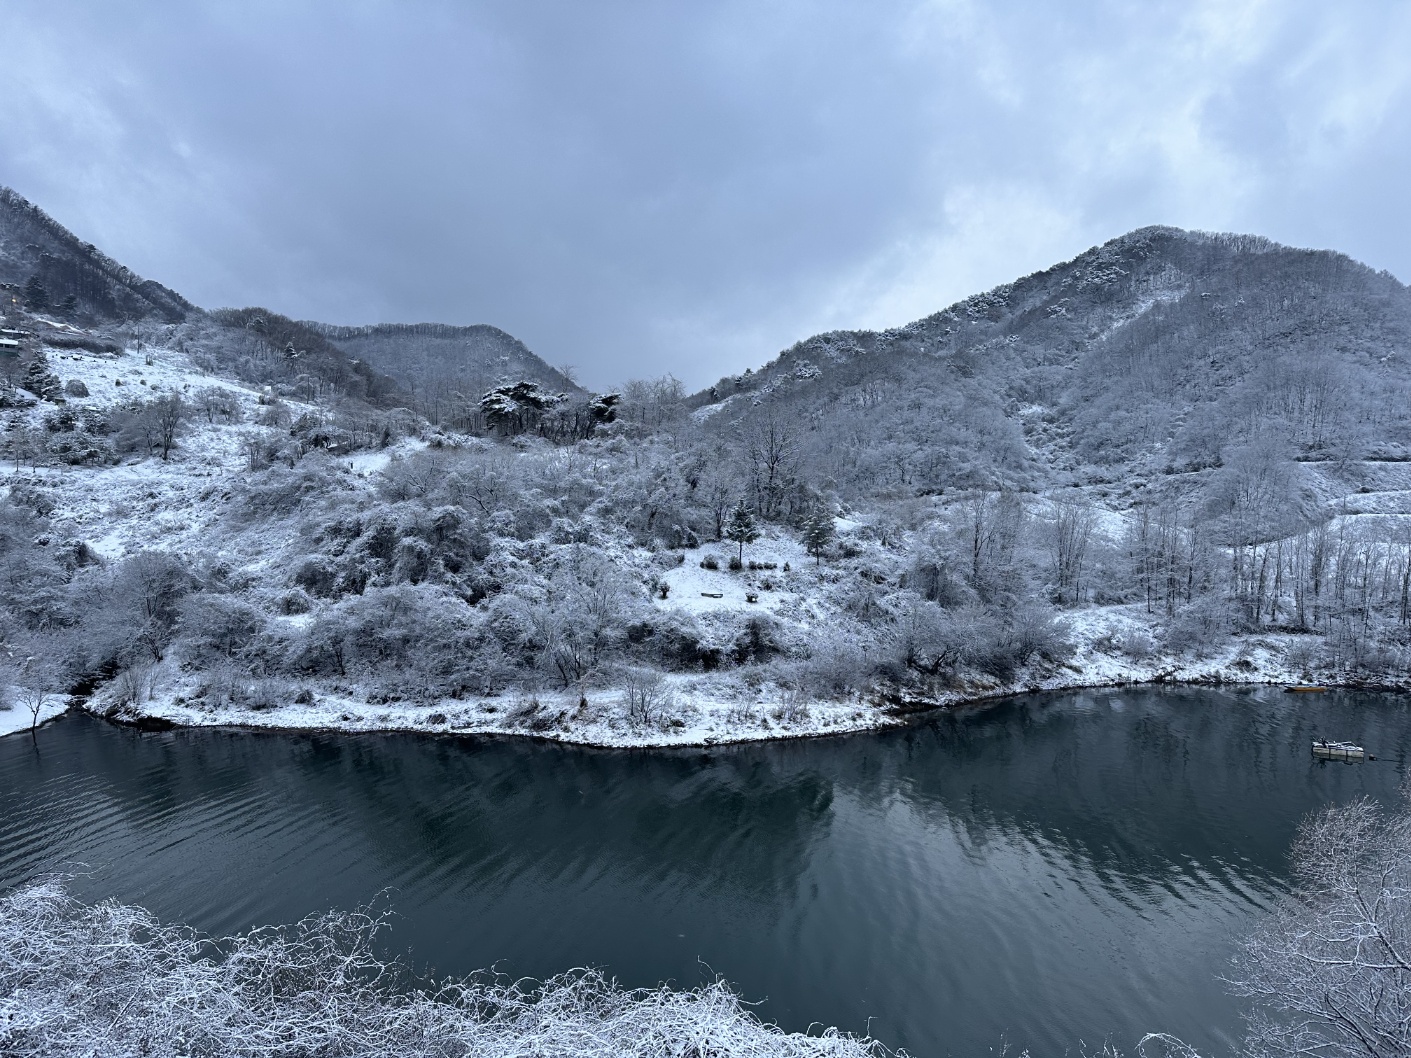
(1127, 468)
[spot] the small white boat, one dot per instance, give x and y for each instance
(1323, 749)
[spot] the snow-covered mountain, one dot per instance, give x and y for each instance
(47, 267)
(1176, 456)
(438, 360)
(1136, 362)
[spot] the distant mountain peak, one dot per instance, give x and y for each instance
(1146, 356)
(426, 357)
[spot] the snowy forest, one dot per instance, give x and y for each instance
(1178, 456)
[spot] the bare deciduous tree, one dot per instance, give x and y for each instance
(168, 414)
(1331, 968)
(771, 455)
(645, 694)
(1073, 527)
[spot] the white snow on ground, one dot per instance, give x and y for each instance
(366, 464)
(714, 709)
(148, 503)
(695, 711)
(18, 718)
(693, 587)
(175, 505)
(703, 413)
(143, 503)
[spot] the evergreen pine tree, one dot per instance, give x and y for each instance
(818, 532)
(39, 380)
(742, 528)
(36, 295)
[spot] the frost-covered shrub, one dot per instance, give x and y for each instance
(33, 590)
(1370, 649)
(76, 449)
(281, 490)
(983, 639)
(316, 433)
(138, 606)
(316, 577)
(214, 626)
(32, 497)
(646, 696)
(759, 640)
(1303, 657)
(836, 665)
(1034, 631)
(110, 979)
(294, 601)
(417, 642)
(933, 577)
(1135, 644)
(61, 420)
(675, 641)
(134, 683)
(1201, 625)
(216, 404)
(264, 692)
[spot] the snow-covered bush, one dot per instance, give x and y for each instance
(1201, 625)
(645, 696)
(218, 627)
(836, 665)
(411, 641)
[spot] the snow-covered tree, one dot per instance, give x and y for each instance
(40, 380)
(741, 528)
(818, 532)
(1330, 969)
(517, 408)
(36, 294)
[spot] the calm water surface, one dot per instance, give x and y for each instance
(1053, 869)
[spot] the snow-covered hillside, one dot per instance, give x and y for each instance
(226, 519)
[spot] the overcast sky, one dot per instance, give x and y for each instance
(643, 187)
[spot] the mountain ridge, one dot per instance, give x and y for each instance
(99, 285)
(1176, 456)
(437, 360)
(1139, 357)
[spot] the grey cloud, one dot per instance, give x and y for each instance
(639, 187)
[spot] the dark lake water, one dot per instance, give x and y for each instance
(1048, 870)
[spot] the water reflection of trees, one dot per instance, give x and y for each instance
(1140, 783)
(1144, 786)
(470, 812)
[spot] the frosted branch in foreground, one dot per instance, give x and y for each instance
(1330, 969)
(108, 979)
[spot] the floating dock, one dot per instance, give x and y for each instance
(1325, 750)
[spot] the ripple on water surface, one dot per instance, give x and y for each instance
(1050, 869)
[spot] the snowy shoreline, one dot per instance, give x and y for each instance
(1252, 662)
(18, 720)
(312, 593)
